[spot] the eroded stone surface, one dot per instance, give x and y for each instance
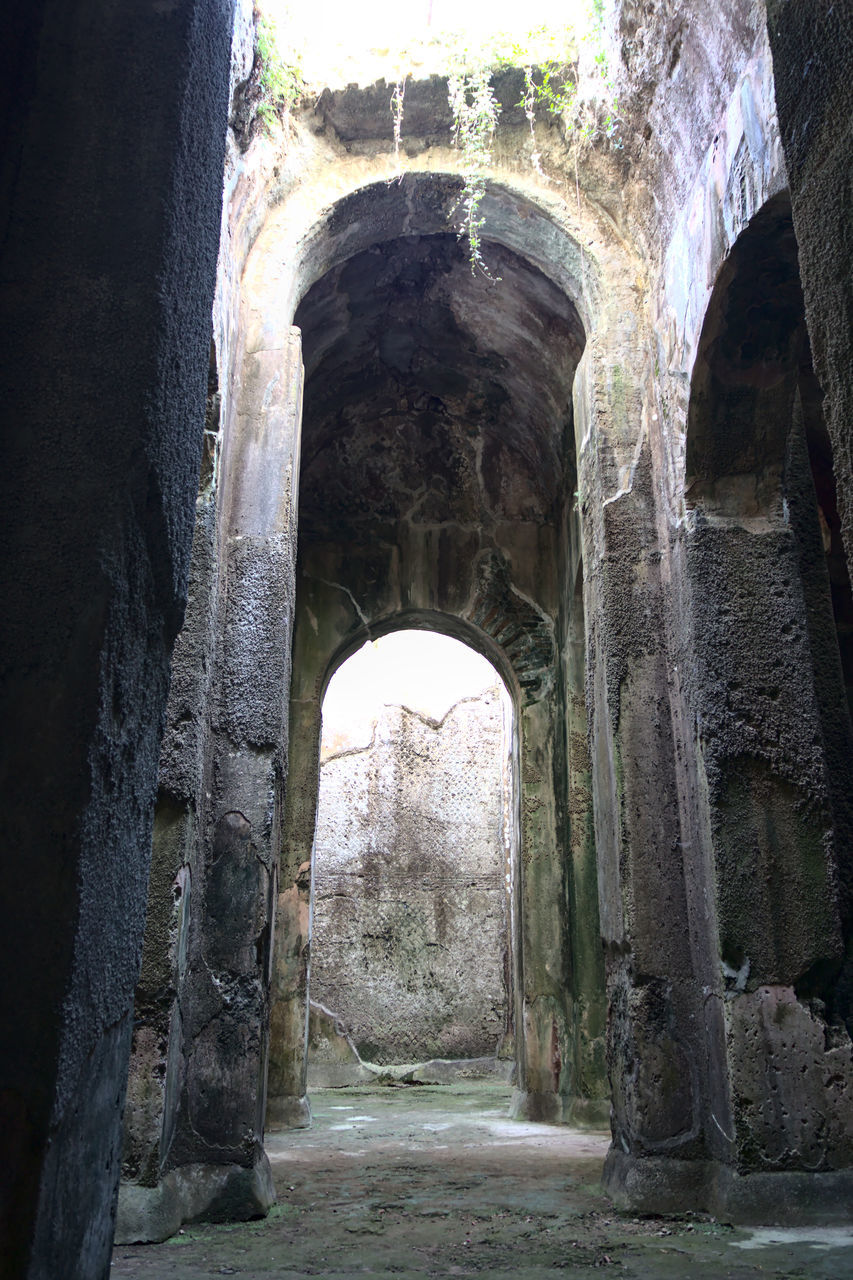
(615, 471)
(410, 942)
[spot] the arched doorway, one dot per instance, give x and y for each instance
(477, 534)
(413, 864)
(767, 694)
(436, 487)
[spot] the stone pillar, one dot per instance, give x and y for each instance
(261, 470)
(589, 1101)
(662, 1042)
(150, 1205)
(812, 49)
(113, 121)
(212, 1160)
(288, 1106)
(325, 612)
(543, 1039)
(767, 699)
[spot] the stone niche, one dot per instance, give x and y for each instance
(410, 941)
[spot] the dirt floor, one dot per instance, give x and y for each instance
(436, 1181)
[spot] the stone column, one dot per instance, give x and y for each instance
(660, 1046)
(812, 48)
(544, 1039)
(216, 1166)
(324, 613)
(113, 122)
(150, 1207)
(589, 1100)
(288, 1106)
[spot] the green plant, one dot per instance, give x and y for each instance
(555, 89)
(397, 99)
(552, 79)
(578, 93)
(475, 115)
(600, 88)
(280, 84)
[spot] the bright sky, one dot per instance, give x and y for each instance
(386, 21)
(418, 669)
(340, 32)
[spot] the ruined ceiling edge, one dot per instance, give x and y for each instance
(295, 246)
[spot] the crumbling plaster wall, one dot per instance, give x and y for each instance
(410, 928)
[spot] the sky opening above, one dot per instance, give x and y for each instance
(340, 38)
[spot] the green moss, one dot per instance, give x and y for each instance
(280, 83)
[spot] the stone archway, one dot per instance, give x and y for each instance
(437, 479)
(500, 449)
(415, 855)
(437, 476)
(773, 735)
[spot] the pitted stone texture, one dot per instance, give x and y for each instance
(182, 756)
(654, 1082)
(410, 942)
(791, 1085)
(104, 371)
(257, 657)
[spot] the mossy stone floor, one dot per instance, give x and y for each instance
(436, 1181)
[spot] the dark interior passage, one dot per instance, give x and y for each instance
(432, 395)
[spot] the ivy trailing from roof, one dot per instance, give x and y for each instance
(586, 104)
(475, 115)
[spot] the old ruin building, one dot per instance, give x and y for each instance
(623, 472)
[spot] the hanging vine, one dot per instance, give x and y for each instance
(397, 99)
(579, 92)
(475, 116)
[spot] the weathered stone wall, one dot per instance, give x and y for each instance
(113, 120)
(600, 471)
(196, 1100)
(410, 934)
(751, 781)
(105, 353)
(812, 56)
